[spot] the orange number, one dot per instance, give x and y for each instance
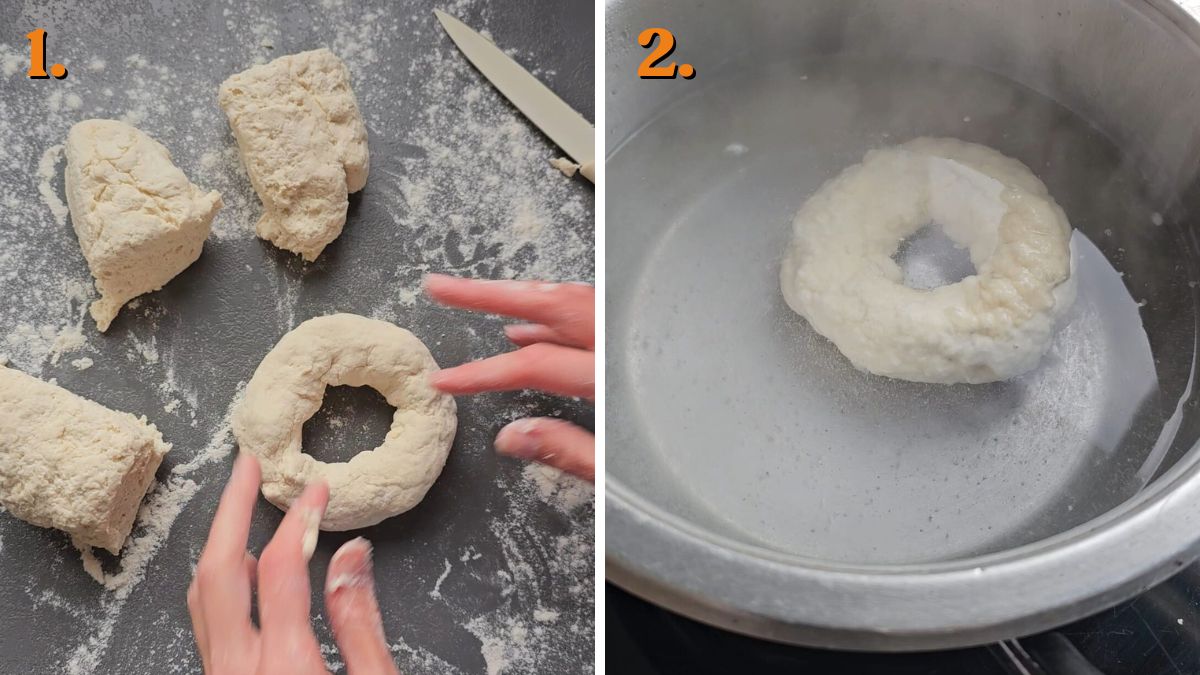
(37, 53)
(649, 69)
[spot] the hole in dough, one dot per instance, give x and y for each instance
(929, 259)
(351, 420)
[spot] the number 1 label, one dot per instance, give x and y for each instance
(37, 57)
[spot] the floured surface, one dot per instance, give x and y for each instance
(459, 183)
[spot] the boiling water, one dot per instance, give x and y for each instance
(728, 410)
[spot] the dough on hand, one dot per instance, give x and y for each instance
(304, 145)
(287, 389)
(72, 464)
(139, 220)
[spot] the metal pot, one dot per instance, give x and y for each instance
(756, 481)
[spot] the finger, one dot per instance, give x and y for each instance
(199, 628)
(231, 525)
(283, 589)
(221, 588)
(553, 368)
(525, 334)
(554, 442)
(196, 610)
(568, 308)
(354, 611)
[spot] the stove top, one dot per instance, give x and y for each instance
(1156, 633)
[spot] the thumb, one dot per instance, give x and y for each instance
(560, 444)
(354, 612)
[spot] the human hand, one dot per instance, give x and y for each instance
(556, 355)
(219, 597)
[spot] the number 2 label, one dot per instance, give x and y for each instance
(649, 68)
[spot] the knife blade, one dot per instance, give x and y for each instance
(567, 128)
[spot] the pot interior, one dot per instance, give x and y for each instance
(727, 410)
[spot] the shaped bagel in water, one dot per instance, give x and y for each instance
(839, 274)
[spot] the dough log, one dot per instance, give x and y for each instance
(287, 389)
(139, 220)
(72, 464)
(304, 145)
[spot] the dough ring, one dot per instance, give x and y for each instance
(839, 274)
(288, 387)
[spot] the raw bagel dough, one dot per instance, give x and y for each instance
(839, 274)
(139, 220)
(72, 464)
(304, 145)
(287, 389)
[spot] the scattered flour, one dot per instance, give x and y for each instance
(68, 339)
(437, 586)
(29, 346)
(46, 172)
(736, 149)
(220, 442)
(545, 616)
(421, 661)
(329, 654)
(504, 650)
(528, 221)
(12, 62)
(45, 291)
(407, 297)
(170, 387)
(146, 349)
(561, 490)
(517, 637)
(82, 363)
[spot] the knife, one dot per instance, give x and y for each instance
(567, 128)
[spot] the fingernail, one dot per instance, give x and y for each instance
(519, 439)
(516, 331)
(360, 574)
(435, 378)
(312, 529)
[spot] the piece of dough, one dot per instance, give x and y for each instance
(304, 145)
(566, 166)
(839, 274)
(287, 389)
(72, 464)
(139, 220)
